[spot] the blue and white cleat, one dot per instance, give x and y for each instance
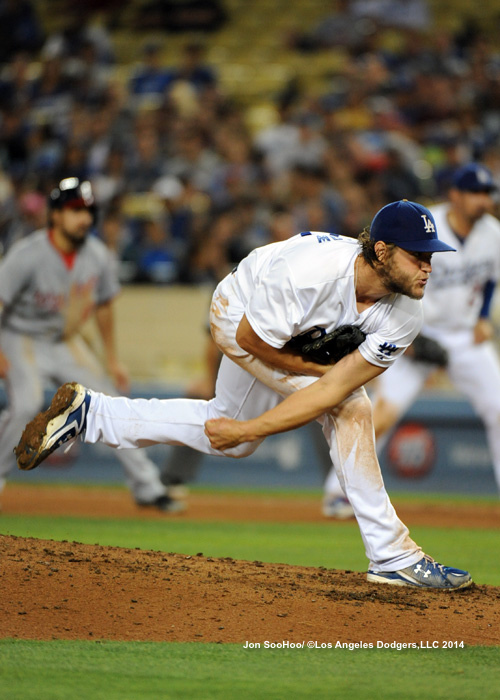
(426, 573)
(64, 420)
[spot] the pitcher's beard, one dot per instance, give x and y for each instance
(398, 283)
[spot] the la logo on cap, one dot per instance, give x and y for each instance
(400, 223)
(483, 176)
(428, 225)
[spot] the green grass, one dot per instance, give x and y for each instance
(128, 671)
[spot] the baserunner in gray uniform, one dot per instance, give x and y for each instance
(50, 283)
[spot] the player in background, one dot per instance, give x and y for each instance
(51, 283)
(456, 316)
(311, 281)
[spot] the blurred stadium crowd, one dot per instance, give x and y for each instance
(187, 178)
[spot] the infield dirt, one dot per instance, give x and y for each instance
(68, 590)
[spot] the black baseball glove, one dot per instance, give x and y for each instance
(329, 348)
(424, 349)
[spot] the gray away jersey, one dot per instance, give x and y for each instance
(43, 296)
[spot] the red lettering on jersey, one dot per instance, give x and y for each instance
(49, 301)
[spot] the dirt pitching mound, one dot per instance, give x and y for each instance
(63, 590)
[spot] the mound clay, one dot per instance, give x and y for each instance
(68, 590)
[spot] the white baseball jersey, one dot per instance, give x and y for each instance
(45, 294)
(454, 293)
(307, 282)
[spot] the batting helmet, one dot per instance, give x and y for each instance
(71, 192)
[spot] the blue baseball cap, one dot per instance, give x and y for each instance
(474, 177)
(408, 225)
